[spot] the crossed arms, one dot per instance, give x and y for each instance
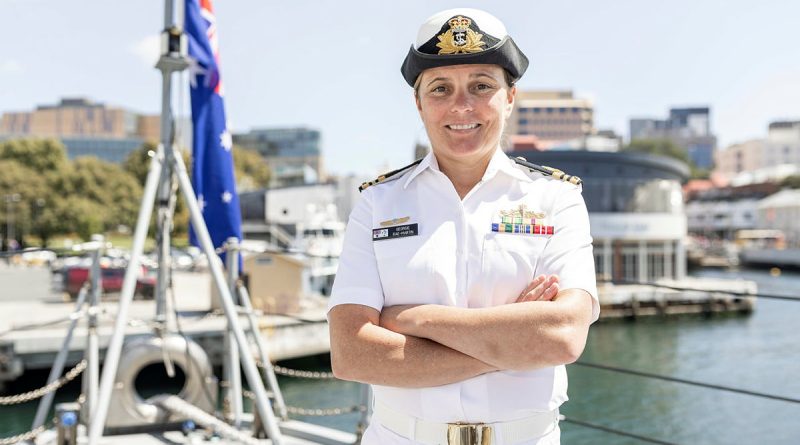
(430, 345)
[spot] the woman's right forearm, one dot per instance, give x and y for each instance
(363, 351)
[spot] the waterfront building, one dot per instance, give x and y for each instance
(86, 128)
(636, 211)
(781, 211)
(291, 153)
(553, 116)
(719, 212)
(687, 127)
(760, 160)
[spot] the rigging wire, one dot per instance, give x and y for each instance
(687, 382)
(691, 289)
(615, 431)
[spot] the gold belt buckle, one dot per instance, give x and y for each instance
(469, 434)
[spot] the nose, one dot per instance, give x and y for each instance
(462, 102)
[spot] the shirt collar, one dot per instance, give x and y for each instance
(429, 161)
(500, 162)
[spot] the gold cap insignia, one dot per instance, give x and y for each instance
(460, 38)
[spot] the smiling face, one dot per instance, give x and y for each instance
(464, 109)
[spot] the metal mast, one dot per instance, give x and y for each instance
(165, 167)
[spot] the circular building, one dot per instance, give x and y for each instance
(636, 211)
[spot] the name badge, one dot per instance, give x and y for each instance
(395, 232)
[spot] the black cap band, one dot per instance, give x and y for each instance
(506, 54)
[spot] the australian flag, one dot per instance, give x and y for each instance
(212, 160)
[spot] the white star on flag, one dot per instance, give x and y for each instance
(226, 197)
(195, 70)
(201, 202)
(226, 140)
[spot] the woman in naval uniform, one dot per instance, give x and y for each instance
(467, 280)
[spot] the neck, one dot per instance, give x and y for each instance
(464, 173)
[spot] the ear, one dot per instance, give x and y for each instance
(512, 95)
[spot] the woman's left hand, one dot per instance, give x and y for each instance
(542, 288)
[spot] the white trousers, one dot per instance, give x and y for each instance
(377, 434)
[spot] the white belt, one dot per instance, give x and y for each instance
(438, 433)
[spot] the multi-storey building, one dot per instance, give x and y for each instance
(761, 160)
(554, 117)
(689, 128)
(293, 154)
(636, 211)
(86, 128)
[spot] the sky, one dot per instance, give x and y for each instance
(335, 65)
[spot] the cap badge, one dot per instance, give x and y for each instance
(460, 38)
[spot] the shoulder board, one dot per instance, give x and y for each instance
(548, 171)
(386, 176)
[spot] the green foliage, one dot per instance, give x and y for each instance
(251, 170)
(40, 155)
(88, 195)
(792, 182)
(24, 196)
(138, 162)
(663, 147)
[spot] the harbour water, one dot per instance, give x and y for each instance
(758, 352)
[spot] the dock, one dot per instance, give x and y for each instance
(704, 296)
(33, 316)
(34, 320)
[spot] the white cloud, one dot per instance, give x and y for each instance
(147, 49)
(11, 66)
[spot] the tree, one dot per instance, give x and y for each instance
(28, 194)
(252, 171)
(138, 162)
(102, 183)
(791, 182)
(40, 155)
(663, 147)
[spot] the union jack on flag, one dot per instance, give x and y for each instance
(212, 160)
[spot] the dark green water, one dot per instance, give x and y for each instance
(759, 352)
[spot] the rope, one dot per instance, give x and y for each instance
(615, 431)
(50, 387)
(719, 291)
(314, 375)
(175, 405)
(687, 382)
(24, 437)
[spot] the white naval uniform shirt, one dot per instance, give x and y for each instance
(456, 259)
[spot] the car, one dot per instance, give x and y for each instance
(111, 280)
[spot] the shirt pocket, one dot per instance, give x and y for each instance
(409, 271)
(508, 264)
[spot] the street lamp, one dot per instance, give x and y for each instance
(11, 199)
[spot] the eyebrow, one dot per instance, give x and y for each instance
(481, 74)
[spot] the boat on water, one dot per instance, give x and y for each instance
(766, 248)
